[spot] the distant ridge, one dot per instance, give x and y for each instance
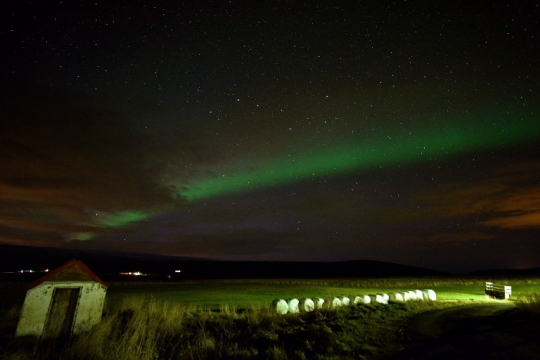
(109, 265)
(272, 269)
(14, 258)
(532, 272)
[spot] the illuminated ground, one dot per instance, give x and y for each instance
(494, 331)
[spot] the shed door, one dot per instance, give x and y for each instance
(62, 312)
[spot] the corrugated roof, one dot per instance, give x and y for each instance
(73, 270)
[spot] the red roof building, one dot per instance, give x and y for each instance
(65, 301)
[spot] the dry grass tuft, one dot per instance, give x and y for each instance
(529, 303)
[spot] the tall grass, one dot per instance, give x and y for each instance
(160, 327)
(138, 327)
(529, 302)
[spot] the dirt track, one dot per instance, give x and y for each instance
(491, 331)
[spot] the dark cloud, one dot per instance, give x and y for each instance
(61, 156)
(506, 196)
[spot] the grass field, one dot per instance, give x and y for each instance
(247, 293)
(179, 320)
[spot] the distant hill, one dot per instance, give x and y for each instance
(109, 265)
(104, 264)
(268, 269)
(532, 272)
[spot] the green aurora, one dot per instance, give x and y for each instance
(352, 156)
(113, 221)
(473, 134)
(123, 218)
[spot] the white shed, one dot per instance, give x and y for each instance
(68, 300)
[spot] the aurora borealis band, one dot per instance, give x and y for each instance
(363, 154)
(122, 218)
(273, 131)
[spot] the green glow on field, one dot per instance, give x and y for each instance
(447, 140)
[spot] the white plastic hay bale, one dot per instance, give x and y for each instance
(332, 303)
(280, 306)
(395, 296)
(386, 297)
(365, 299)
(406, 296)
(377, 298)
(412, 295)
(306, 305)
(429, 295)
(345, 301)
(360, 299)
(319, 303)
(419, 294)
(293, 306)
(336, 302)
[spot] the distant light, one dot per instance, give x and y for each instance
(133, 273)
(24, 271)
(177, 271)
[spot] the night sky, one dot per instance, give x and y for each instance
(398, 131)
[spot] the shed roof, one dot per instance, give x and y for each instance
(73, 270)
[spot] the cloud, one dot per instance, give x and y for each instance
(527, 220)
(507, 196)
(452, 237)
(70, 156)
(222, 245)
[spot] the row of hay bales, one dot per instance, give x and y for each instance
(306, 304)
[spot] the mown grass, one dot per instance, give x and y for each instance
(242, 293)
